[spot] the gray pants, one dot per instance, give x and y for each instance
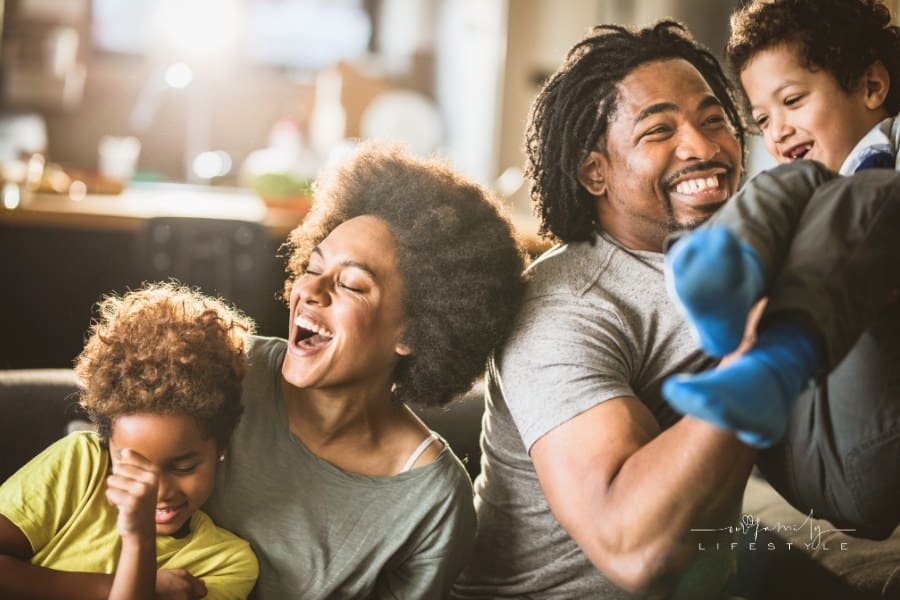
(830, 248)
(841, 455)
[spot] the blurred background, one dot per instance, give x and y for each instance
(147, 139)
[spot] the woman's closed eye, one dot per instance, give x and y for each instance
(349, 287)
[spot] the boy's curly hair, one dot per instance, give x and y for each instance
(459, 260)
(571, 115)
(840, 37)
(165, 349)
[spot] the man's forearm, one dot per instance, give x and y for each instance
(691, 475)
(629, 494)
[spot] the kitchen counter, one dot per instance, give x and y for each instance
(128, 210)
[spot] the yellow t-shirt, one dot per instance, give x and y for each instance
(58, 501)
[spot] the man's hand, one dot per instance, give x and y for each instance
(132, 489)
(749, 333)
(178, 584)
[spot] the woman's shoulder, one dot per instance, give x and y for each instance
(422, 447)
(442, 469)
(264, 358)
(264, 349)
(444, 496)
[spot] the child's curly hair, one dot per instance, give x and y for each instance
(165, 349)
(840, 37)
(458, 257)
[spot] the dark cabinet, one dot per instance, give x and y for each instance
(51, 277)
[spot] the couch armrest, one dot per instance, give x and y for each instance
(37, 406)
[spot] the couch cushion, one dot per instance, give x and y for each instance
(795, 556)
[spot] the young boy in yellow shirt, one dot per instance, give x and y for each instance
(116, 513)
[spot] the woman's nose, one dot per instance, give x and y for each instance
(314, 290)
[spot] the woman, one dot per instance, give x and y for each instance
(401, 281)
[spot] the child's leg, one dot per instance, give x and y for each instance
(754, 394)
(844, 264)
(841, 270)
(839, 457)
(716, 279)
(719, 271)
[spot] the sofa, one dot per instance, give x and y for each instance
(781, 552)
(38, 406)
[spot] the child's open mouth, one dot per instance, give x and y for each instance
(168, 513)
(799, 151)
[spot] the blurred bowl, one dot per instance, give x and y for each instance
(298, 205)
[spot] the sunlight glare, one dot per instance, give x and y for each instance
(202, 27)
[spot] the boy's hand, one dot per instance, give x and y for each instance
(178, 584)
(132, 489)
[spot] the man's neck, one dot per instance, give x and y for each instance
(635, 241)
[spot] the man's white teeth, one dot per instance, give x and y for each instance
(301, 321)
(692, 186)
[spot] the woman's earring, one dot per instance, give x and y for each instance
(221, 458)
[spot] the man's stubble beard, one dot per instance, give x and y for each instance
(673, 225)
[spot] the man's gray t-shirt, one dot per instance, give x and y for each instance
(320, 532)
(596, 324)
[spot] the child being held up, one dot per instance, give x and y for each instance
(116, 513)
(821, 80)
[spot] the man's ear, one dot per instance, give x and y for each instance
(877, 82)
(591, 173)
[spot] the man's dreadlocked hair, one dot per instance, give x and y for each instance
(571, 115)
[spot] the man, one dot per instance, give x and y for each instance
(577, 435)
(590, 484)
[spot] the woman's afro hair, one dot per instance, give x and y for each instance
(459, 261)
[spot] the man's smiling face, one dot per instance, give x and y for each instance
(671, 157)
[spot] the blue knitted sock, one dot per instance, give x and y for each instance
(755, 394)
(717, 279)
